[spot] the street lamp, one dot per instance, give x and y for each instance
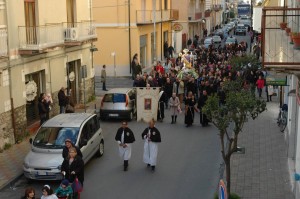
(113, 54)
(92, 50)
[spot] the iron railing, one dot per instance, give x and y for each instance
(3, 42)
(277, 51)
(150, 16)
(40, 37)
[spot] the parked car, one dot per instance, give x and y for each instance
(216, 39)
(118, 103)
(240, 30)
(219, 32)
(208, 41)
(230, 40)
(44, 160)
(232, 24)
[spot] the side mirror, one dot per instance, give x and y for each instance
(30, 140)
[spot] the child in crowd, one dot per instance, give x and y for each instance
(64, 190)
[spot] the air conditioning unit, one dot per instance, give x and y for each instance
(71, 34)
(189, 18)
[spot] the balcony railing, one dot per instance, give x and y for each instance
(277, 52)
(79, 31)
(40, 37)
(3, 42)
(150, 16)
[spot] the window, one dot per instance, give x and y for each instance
(30, 21)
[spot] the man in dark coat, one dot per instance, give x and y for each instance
(201, 102)
(125, 138)
(62, 100)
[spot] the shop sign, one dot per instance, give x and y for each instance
(177, 27)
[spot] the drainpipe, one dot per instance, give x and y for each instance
(129, 36)
(162, 42)
(13, 120)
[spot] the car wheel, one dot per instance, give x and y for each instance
(100, 151)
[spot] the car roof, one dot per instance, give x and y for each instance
(67, 120)
(119, 90)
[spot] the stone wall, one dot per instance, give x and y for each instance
(89, 90)
(6, 129)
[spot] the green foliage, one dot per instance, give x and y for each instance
(6, 146)
(232, 196)
(242, 63)
(91, 98)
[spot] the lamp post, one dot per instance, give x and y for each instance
(113, 54)
(92, 50)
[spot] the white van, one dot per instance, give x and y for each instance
(44, 160)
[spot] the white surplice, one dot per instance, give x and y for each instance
(124, 153)
(150, 152)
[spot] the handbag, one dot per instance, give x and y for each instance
(77, 186)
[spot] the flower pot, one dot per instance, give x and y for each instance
(296, 40)
(287, 30)
(283, 25)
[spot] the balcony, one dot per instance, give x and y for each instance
(79, 33)
(3, 43)
(150, 16)
(277, 52)
(40, 39)
(37, 39)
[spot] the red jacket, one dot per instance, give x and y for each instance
(260, 83)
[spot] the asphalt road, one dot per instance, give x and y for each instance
(188, 166)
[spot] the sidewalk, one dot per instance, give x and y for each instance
(262, 172)
(11, 160)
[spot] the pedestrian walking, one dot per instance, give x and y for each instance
(161, 106)
(270, 93)
(48, 193)
(125, 138)
(151, 135)
(73, 169)
(62, 100)
(260, 83)
(29, 193)
(103, 77)
(189, 109)
(43, 109)
(174, 107)
(68, 145)
(201, 103)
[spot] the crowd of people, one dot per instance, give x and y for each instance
(196, 74)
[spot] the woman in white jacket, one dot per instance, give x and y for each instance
(174, 107)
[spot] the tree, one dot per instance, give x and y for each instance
(240, 104)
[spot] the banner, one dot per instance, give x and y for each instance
(147, 103)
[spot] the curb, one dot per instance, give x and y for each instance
(13, 180)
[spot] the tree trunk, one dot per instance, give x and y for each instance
(228, 178)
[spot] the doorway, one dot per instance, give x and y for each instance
(35, 85)
(73, 80)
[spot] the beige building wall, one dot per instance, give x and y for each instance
(112, 24)
(51, 63)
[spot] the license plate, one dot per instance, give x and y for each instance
(42, 173)
(113, 115)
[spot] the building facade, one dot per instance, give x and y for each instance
(280, 56)
(44, 45)
(195, 16)
(136, 26)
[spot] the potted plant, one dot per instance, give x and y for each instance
(296, 40)
(287, 30)
(283, 25)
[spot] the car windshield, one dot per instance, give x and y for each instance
(54, 137)
(114, 97)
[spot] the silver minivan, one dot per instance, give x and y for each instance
(44, 160)
(118, 103)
